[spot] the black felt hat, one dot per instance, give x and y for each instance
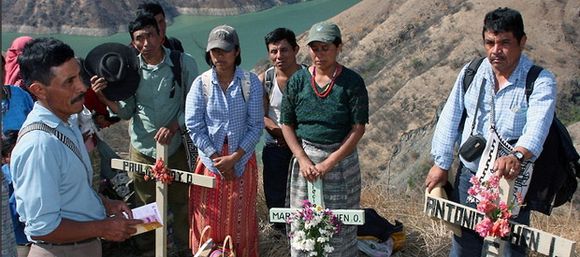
(119, 65)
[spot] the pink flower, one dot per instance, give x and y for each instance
(505, 210)
(500, 228)
(496, 213)
(474, 180)
(504, 227)
(483, 227)
(493, 181)
(486, 206)
(472, 191)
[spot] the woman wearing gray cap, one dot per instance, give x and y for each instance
(225, 117)
(324, 113)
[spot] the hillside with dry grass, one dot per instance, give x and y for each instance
(409, 52)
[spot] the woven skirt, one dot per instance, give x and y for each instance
(229, 209)
(341, 190)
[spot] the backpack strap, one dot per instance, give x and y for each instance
(269, 80)
(468, 76)
(470, 72)
(59, 135)
(246, 83)
(533, 74)
(206, 84)
(175, 57)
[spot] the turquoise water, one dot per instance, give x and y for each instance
(193, 30)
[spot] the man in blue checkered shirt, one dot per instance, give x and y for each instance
(525, 122)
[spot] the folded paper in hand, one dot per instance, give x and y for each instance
(150, 216)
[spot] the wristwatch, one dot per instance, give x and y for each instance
(519, 155)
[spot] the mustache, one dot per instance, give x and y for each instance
(78, 98)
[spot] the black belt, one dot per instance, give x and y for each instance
(65, 244)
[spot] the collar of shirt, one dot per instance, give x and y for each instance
(166, 60)
(518, 76)
(238, 76)
(41, 113)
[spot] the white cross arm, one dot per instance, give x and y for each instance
(534, 239)
(178, 175)
(347, 217)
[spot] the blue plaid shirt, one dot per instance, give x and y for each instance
(225, 114)
(515, 118)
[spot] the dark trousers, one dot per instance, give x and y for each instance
(276, 161)
(470, 243)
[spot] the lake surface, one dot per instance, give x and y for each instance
(193, 30)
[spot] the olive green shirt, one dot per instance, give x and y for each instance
(153, 105)
(325, 120)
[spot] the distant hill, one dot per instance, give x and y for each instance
(105, 17)
(410, 52)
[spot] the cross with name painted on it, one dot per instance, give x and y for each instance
(347, 217)
(533, 239)
(161, 189)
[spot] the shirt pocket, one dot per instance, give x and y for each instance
(515, 119)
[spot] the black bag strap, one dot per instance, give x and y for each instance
(175, 57)
(59, 135)
(470, 72)
(476, 106)
(468, 76)
(533, 74)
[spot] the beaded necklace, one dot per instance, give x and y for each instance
(328, 86)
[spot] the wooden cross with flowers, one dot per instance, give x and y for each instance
(497, 201)
(163, 176)
(517, 234)
(313, 226)
(347, 217)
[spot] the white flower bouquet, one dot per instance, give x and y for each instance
(311, 229)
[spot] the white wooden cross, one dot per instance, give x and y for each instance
(161, 189)
(347, 216)
(533, 239)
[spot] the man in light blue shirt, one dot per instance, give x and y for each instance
(156, 113)
(52, 182)
(525, 122)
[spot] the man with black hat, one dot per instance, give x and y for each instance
(50, 166)
(155, 108)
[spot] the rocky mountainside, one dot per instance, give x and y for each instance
(410, 53)
(105, 17)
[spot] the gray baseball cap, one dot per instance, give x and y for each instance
(223, 37)
(324, 31)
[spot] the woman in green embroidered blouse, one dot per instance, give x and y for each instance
(324, 113)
